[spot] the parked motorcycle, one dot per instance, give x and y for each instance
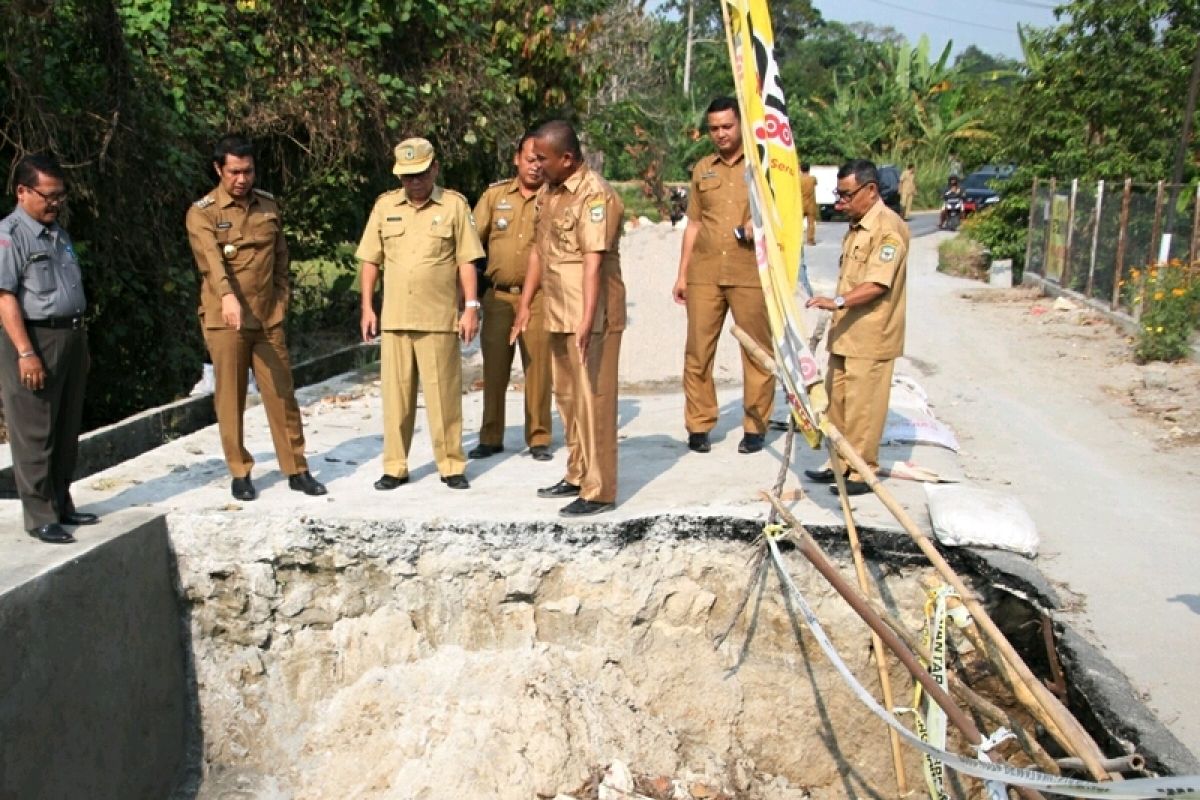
(677, 199)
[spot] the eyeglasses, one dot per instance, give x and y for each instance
(848, 196)
(53, 199)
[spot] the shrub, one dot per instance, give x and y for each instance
(1169, 297)
(964, 257)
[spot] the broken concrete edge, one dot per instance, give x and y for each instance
(1118, 318)
(128, 438)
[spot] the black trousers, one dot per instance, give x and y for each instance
(43, 426)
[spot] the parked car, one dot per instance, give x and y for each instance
(889, 188)
(983, 186)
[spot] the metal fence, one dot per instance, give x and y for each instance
(1089, 236)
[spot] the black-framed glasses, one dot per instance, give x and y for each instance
(848, 196)
(52, 199)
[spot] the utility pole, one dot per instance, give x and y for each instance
(687, 53)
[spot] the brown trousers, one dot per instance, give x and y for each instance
(432, 360)
(43, 426)
(706, 308)
(587, 404)
(906, 201)
(859, 389)
(265, 350)
(499, 311)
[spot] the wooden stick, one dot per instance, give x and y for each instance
(1066, 729)
(864, 586)
(809, 548)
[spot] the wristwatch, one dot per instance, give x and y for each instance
(839, 301)
(472, 304)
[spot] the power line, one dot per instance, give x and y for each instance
(1031, 4)
(942, 18)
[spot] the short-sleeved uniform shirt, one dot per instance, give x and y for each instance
(718, 203)
(419, 251)
(874, 250)
(240, 249)
(581, 215)
(504, 220)
(38, 266)
(808, 189)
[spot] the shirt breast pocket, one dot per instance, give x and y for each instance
(564, 229)
(709, 184)
(39, 274)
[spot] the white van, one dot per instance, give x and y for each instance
(826, 184)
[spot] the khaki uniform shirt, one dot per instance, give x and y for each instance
(240, 250)
(808, 191)
(582, 215)
(38, 265)
(874, 250)
(908, 182)
(504, 220)
(718, 203)
(419, 251)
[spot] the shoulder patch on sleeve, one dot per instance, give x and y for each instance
(205, 202)
(264, 193)
(5, 242)
(595, 209)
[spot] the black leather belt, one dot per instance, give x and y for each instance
(507, 289)
(74, 323)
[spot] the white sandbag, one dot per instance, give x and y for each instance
(910, 420)
(969, 516)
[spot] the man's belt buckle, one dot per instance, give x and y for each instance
(511, 289)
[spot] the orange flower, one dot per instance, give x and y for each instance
(1178, 292)
(1159, 295)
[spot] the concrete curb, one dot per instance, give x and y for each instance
(132, 436)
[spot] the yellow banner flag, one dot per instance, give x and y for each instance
(773, 180)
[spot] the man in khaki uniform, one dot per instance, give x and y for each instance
(423, 239)
(717, 274)
(808, 200)
(867, 333)
(908, 189)
(576, 261)
(237, 240)
(504, 220)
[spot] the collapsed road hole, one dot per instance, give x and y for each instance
(381, 660)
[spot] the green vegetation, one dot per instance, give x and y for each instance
(130, 94)
(1169, 297)
(963, 256)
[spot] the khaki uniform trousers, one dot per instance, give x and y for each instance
(906, 201)
(587, 404)
(706, 308)
(810, 217)
(499, 311)
(232, 352)
(859, 390)
(43, 425)
(431, 359)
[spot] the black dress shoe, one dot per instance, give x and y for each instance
(482, 450)
(751, 443)
(52, 534)
(78, 518)
(540, 452)
(456, 481)
(560, 489)
(698, 443)
(584, 508)
(820, 475)
(388, 482)
(305, 482)
(243, 489)
(853, 488)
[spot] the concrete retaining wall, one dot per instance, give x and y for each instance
(93, 690)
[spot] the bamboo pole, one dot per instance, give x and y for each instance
(808, 547)
(1073, 737)
(1122, 241)
(864, 586)
(1095, 236)
(1033, 196)
(980, 704)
